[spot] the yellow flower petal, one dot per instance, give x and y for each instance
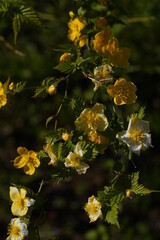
(18, 209)
(14, 193)
(20, 162)
(22, 150)
(29, 169)
(23, 192)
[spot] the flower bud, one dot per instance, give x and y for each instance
(11, 85)
(65, 136)
(51, 90)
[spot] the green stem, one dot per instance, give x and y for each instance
(40, 187)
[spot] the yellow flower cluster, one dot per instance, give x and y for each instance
(122, 91)
(3, 97)
(103, 44)
(17, 229)
(76, 25)
(27, 160)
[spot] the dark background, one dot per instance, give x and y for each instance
(22, 122)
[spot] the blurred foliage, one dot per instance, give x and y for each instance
(22, 121)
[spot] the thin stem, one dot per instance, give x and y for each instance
(40, 187)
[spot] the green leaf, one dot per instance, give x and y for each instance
(112, 215)
(16, 25)
(139, 188)
(40, 92)
(66, 67)
(49, 119)
(141, 113)
(41, 154)
(20, 86)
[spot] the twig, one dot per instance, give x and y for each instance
(11, 47)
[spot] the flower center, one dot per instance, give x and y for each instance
(75, 160)
(92, 209)
(15, 231)
(91, 118)
(123, 91)
(136, 135)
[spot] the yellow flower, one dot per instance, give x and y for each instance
(65, 136)
(93, 208)
(65, 57)
(48, 149)
(75, 27)
(101, 40)
(97, 138)
(118, 55)
(3, 97)
(27, 160)
(101, 22)
(82, 40)
(20, 201)
(122, 91)
(92, 119)
(74, 160)
(137, 135)
(17, 229)
(102, 74)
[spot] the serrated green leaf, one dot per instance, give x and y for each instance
(141, 113)
(41, 154)
(66, 67)
(112, 215)
(139, 188)
(20, 86)
(16, 25)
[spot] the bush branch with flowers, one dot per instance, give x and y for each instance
(96, 54)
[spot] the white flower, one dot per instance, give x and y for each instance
(137, 135)
(93, 208)
(17, 229)
(48, 149)
(74, 160)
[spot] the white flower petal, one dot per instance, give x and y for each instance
(30, 202)
(78, 150)
(83, 168)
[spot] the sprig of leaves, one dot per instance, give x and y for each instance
(123, 186)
